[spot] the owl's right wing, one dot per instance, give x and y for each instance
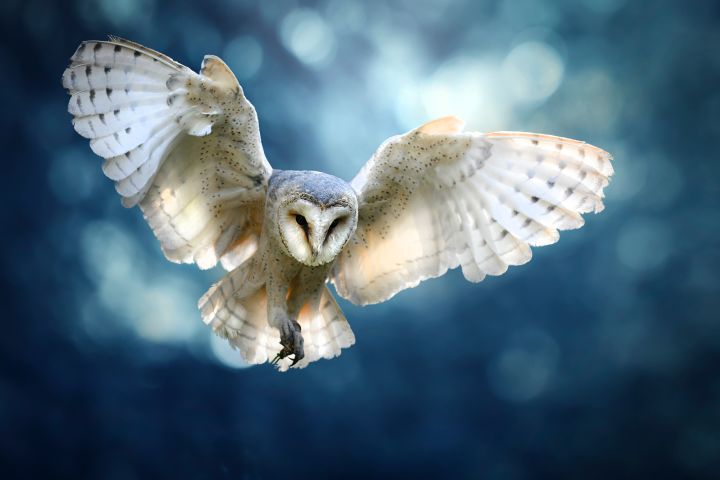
(437, 198)
(184, 146)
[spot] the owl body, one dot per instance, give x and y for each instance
(185, 147)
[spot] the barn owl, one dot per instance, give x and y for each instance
(185, 147)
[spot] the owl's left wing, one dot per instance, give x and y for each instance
(437, 198)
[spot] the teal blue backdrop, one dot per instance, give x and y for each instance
(597, 360)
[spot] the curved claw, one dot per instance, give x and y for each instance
(297, 348)
(297, 357)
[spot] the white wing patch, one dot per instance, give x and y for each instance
(436, 199)
(184, 146)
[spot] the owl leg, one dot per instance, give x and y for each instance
(292, 341)
(305, 291)
(290, 336)
(278, 283)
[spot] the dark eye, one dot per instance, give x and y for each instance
(331, 228)
(301, 220)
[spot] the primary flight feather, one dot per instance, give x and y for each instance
(185, 147)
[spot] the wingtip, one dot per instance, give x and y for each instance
(215, 68)
(118, 39)
(443, 126)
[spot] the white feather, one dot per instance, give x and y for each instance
(145, 113)
(492, 196)
(236, 309)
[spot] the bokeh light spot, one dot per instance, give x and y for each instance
(533, 71)
(123, 12)
(308, 37)
(155, 306)
(166, 312)
(347, 15)
(225, 354)
(244, 56)
(73, 175)
(644, 245)
(521, 371)
(634, 169)
(471, 89)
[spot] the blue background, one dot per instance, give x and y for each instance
(598, 359)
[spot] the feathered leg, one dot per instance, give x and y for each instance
(257, 307)
(280, 278)
(304, 291)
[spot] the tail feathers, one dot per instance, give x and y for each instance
(241, 318)
(244, 324)
(325, 329)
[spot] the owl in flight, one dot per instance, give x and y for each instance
(186, 148)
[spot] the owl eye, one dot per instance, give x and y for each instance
(301, 220)
(330, 229)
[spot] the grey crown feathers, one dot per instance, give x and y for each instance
(185, 147)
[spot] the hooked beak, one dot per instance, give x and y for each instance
(315, 245)
(317, 239)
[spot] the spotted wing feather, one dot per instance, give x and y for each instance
(184, 146)
(437, 198)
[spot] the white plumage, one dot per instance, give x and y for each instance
(186, 148)
(437, 198)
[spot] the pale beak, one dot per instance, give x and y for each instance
(316, 242)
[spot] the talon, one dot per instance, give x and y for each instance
(296, 358)
(286, 350)
(298, 349)
(292, 343)
(276, 359)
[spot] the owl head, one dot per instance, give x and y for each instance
(314, 215)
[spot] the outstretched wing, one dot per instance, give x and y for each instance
(437, 198)
(184, 146)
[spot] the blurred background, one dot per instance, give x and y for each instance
(599, 359)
